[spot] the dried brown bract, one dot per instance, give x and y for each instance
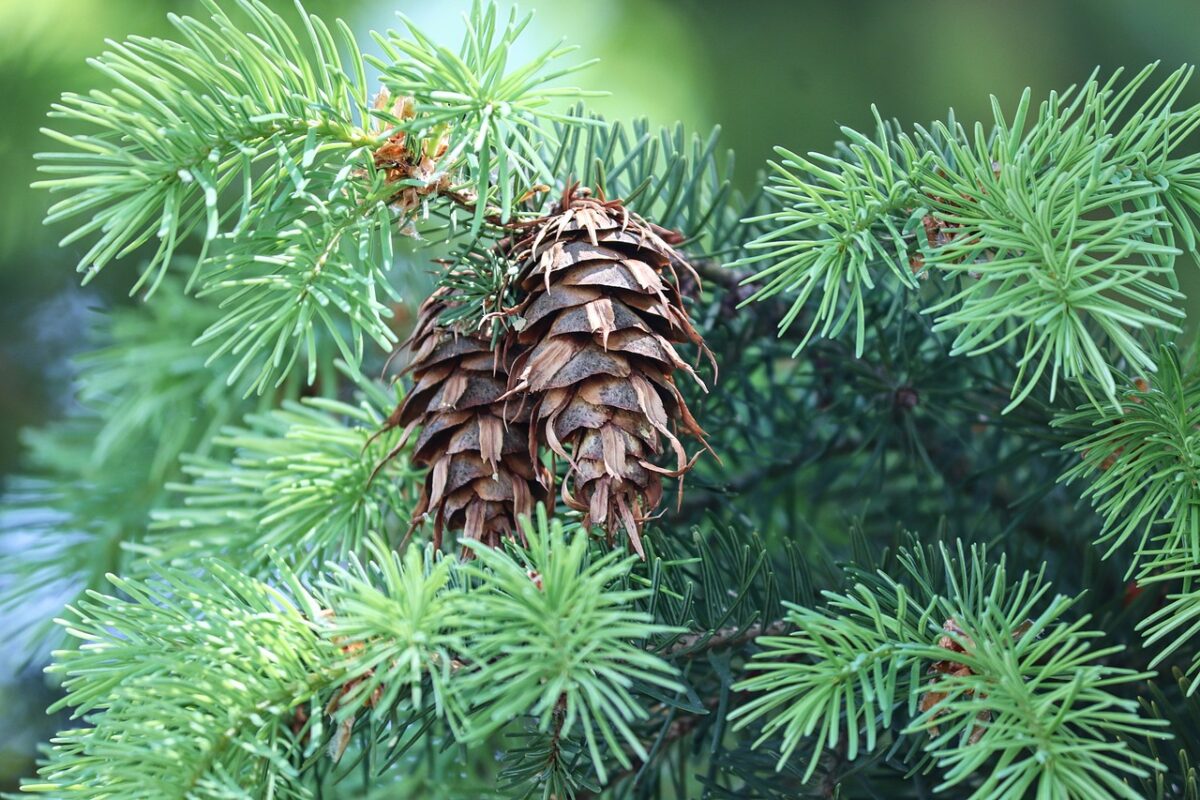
(405, 160)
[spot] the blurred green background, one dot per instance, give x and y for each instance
(769, 71)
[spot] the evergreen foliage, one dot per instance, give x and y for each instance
(955, 556)
(387, 650)
(1012, 683)
(1006, 217)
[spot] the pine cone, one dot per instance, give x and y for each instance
(472, 438)
(597, 330)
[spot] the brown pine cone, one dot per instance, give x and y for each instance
(472, 438)
(597, 330)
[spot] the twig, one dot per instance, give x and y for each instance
(728, 636)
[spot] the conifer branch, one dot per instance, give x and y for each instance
(174, 681)
(855, 668)
(145, 396)
(187, 120)
(1142, 463)
(296, 484)
(262, 140)
(1006, 216)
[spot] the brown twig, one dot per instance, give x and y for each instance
(729, 636)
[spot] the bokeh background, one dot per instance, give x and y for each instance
(770, 72)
